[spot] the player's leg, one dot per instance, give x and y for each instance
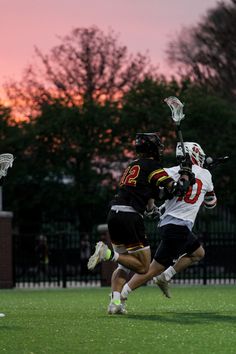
(138, 261)
(188, 250)
(127, 228)
(141, 259)
(118, 279)
(162, 259)
(137, 280)
(187, 260)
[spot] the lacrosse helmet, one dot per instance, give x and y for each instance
(149, 144)
(195, 152)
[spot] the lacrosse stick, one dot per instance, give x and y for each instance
(177, 115)
(6, 161)
(211, 163)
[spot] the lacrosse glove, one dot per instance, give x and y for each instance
(186, 169)
(152, 214)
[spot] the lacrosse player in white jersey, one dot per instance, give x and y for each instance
(175, 226)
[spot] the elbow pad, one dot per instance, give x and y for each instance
(210, 201)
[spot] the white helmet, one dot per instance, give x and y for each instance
(195, 152)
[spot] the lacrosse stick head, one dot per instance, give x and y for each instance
(6, 161)
(176, 107)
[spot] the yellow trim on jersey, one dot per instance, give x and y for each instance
(154, 173)
(162, 179)
(136, 246)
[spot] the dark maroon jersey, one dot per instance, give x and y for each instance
(140, 182)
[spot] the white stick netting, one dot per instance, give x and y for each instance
(6, 161)
(176, 107)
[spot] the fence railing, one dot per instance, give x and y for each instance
(58, 258)
(59, 262)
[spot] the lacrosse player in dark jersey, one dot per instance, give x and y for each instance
(140, 182)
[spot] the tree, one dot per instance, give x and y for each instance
(62, 165)
(85, 105)
(86, 66)
(210, 121)
(72, 101)
(143, 110)
(206, 53)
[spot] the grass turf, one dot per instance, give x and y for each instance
(197, 319)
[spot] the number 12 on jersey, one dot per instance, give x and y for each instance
(130, 175)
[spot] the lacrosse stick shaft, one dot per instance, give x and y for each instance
(211, 163)
(176, 107)
(0, 198)
(181, 139)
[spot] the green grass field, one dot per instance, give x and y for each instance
(196, 319)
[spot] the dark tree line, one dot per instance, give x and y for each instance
(83, 104)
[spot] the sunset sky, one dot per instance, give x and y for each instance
(143, 25)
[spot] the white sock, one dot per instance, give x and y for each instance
(115, 295)
(125, 291)
(169, 273)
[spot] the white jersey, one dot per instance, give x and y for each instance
(186, 208)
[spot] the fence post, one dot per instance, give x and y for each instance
(64, 275)
(6, 259)
(204, 234)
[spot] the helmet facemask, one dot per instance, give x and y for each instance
(149, 145)
(195, 152)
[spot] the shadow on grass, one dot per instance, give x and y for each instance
(10, 327)
(184, 317)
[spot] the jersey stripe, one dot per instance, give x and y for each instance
(160, 176)
(134, 246)
(157, 174)
(164, 178)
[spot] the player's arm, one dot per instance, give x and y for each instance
(187, 178)
(210, 199)
(161, 179)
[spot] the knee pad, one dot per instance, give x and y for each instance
(121, 267)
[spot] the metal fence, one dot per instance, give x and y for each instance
(57, 258)
(54, 261)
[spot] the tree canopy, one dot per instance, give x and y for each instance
(84, 104)
(206, 53)
(86, 66)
